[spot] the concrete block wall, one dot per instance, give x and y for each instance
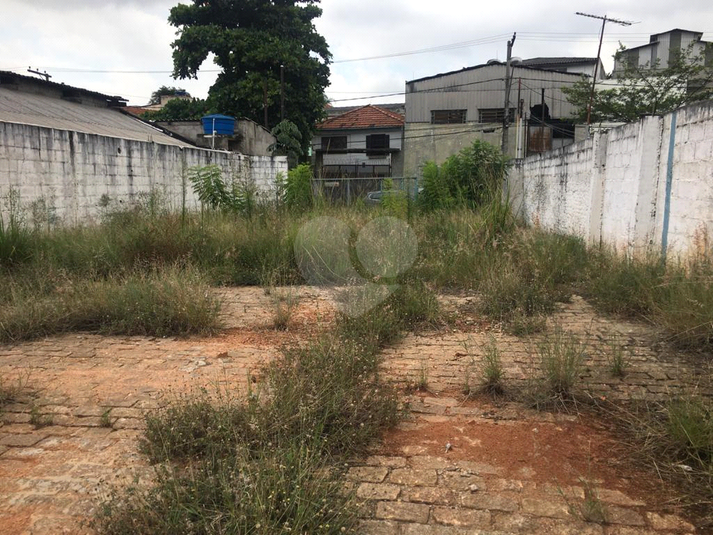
(77, 173)
(611, 188)
(691, 223)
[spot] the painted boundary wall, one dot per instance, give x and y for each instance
(75, 175)
(612, 188)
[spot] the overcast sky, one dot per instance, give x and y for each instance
(67, 37)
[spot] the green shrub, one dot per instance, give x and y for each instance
(298, 188)
(468, 178)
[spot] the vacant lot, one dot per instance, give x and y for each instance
(456, 464)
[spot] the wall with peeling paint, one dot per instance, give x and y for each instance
(75, 175)
(611, 188)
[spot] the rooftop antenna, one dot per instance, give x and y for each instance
(38, 73)
(604, 20)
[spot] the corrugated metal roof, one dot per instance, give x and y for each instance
(39, 110)
(534, 62)
(113, 99)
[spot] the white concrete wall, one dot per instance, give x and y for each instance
(74, 173)
(611, 188)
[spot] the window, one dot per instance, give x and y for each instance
(494, 115)
(334, 143)
(377, 142)
(448, 116)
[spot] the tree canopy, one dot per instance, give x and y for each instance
(250, 40)
(288, 141)
(646, 89)
(180, 109)
(164, 91)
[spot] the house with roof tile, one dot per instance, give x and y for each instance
(364, 142)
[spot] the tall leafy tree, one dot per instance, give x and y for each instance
(250, 40)
(647, 89)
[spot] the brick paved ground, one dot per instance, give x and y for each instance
(494, 478)
(654, 373)
(49, 476)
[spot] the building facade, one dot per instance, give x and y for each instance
(662, 49)
(447, 112)
(366, 142)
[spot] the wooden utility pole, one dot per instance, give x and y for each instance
(506, 110)
(604, 20)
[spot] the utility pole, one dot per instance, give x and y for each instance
(37, 72)
(264, 101)
(506, 110)
(604, 20)
(282, 92)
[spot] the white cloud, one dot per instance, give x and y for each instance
(133, 35)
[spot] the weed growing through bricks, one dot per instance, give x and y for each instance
(421, 384)
(591, 508)
(105, 419)
(10, 389)
(265, 463)
(561, 357)
(38, 419)
(492, 371)
(618, 358)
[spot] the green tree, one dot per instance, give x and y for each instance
(164, 91)
(179, 110)
(250, 41)
(288, 142)
(646, 89)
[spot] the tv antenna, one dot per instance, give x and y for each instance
(38, 73)
(604, 20)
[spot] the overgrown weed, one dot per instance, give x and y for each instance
(561, 358)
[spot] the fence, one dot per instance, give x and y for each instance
(348, 190)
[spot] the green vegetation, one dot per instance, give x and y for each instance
(492, 372)
(647, 89)
(173, 301)
(468, 178)
(256, 46)
(288, 142)
(180, 109)
(561, 357)
(269, 463)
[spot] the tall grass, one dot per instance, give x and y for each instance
(519, 273)
(172, 301)
(267, 463)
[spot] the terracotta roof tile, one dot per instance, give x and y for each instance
(368, 116)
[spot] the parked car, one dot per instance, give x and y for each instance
(373, 198)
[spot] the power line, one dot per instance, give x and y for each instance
(530, 36)
(440, 48)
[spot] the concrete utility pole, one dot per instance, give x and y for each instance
(604, 20)
(506, 110)
(282, 92)
(37, 72)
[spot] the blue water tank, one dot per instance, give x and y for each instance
(221, 124)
